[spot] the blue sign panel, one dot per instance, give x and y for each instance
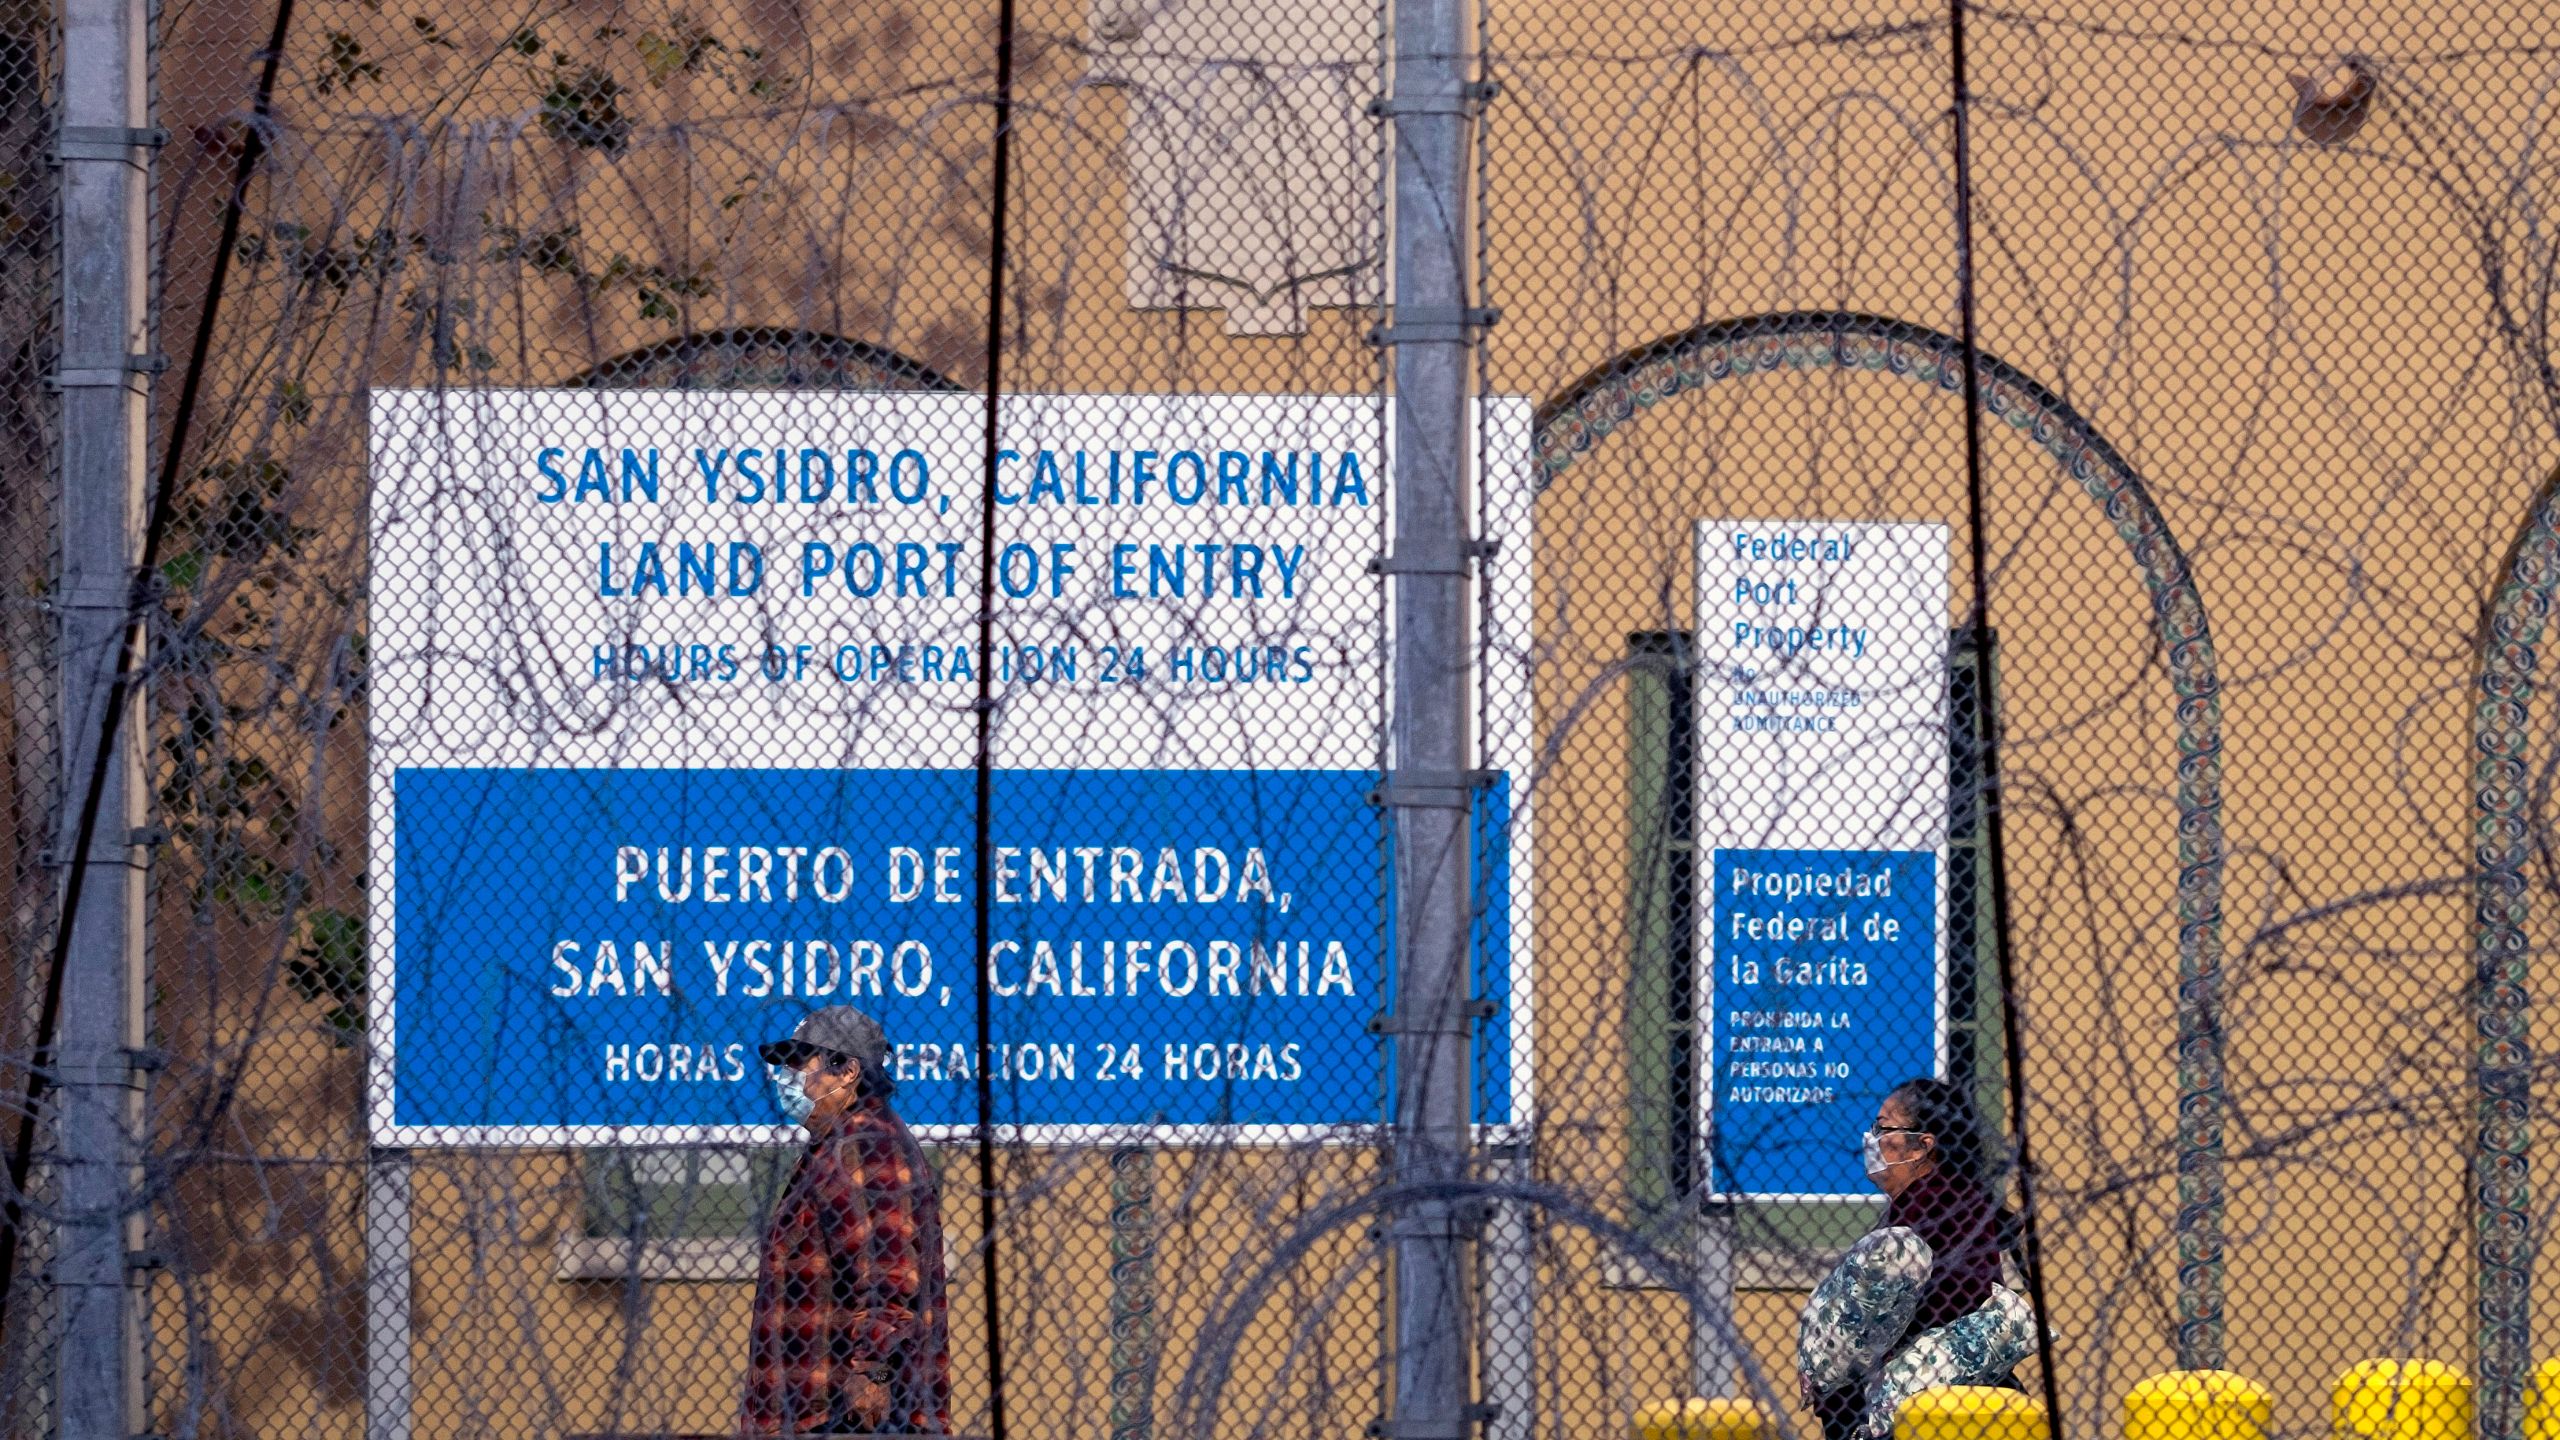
(1825, 996)
(605, 948)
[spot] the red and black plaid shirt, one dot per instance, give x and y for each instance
(850, 1332)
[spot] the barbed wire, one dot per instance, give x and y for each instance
(550, 214)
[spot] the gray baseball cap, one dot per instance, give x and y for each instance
(838, 1030)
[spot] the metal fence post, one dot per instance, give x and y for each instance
(388, 1386)
(1510, 1363)
(1715, 1366)
(103, 149)
(1430, 793)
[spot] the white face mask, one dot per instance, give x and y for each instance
(1871, 1150)
(787, 1092)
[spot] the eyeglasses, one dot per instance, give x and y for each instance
(1894, 1130)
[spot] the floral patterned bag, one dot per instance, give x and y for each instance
(1854, 1326)
(1861, 1308)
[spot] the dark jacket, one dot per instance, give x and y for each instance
(1965, 1232)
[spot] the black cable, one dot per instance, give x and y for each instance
(983, 919)
(138, 604)
(1985, 719)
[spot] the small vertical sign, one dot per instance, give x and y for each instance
(1822, 807)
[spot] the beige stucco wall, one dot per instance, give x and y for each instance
(2292, 344)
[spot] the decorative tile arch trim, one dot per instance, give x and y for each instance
(2511, 640)
(1613, 395)
(761, 357)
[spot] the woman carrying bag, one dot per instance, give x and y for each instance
(1919, 1301)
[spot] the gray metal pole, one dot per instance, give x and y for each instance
(104, 326)
(1510, 1364)
(388, 1387)
(1432, 787)
(1714, 1361)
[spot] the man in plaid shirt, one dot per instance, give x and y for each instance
(850, 1333)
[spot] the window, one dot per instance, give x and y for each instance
(1662, 1032)
(670, 1214)
(1251, 160)
(1781, 1245)
(698, 1213)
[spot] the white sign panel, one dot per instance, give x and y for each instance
(1822, 811)
(673, 723)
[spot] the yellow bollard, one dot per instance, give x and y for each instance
(2542, 1402)
(2200, 1405)
(2401, 1400)
(1721, 1418)
(1971, 1412)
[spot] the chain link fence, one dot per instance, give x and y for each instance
(683, 515)
(27, 72)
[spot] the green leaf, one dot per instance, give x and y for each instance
(330, 968)
(252, 887)
(332, 952)
(585, 110)
(345, 64)
(660, 56)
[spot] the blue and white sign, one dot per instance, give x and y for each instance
(1822, 807)
(672, 729)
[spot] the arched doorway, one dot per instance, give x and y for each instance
(1615, 395)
